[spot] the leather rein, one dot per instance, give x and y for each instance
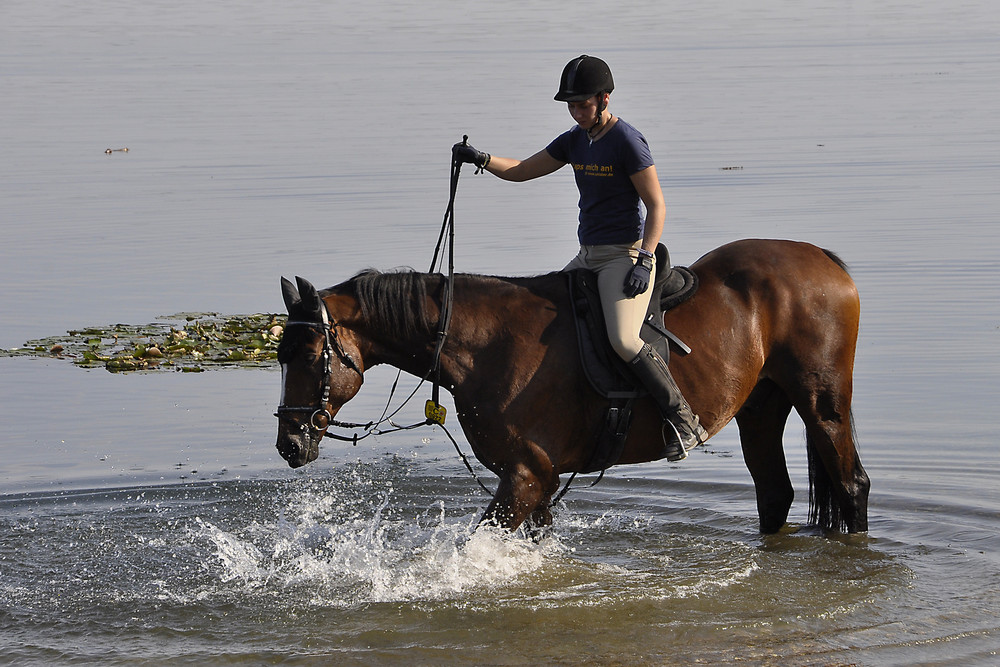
(434, 412)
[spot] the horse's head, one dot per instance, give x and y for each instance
(320, 371)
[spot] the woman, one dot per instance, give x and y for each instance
(614, 173)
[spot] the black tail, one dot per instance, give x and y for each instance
(824, 507)
(836, 259)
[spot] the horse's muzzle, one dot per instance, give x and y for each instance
(297, 448)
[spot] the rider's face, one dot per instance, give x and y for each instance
(585, 112)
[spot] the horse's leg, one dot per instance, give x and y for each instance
(762, 422)
(524, 491)
(839, 483)
(520, 495)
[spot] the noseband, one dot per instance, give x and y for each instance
(331, 344)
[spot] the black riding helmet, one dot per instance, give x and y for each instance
(584, 77)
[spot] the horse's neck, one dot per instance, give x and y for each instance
(412, 352)
(484, 309)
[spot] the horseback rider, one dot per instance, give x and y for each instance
(614, 172)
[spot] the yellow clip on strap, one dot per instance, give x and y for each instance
(435, 413)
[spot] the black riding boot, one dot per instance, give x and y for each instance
(681, 430)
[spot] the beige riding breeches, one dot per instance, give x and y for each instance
(623, 316)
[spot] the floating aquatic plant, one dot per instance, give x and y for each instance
(187, 342)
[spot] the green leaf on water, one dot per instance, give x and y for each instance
(186, 342)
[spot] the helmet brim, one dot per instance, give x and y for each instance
(573, 97)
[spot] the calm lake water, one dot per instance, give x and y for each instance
(148, 519)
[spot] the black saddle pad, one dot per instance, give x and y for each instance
(679, 285)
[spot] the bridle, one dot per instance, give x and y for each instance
(331, 346)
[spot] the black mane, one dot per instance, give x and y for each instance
(394, 302)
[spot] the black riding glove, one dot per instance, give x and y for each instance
(637, 280)
(463, 152)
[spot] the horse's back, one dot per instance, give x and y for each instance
(789, 281)
(773, 259)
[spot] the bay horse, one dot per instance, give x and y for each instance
(773, 326)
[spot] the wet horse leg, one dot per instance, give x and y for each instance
(524, 492)
(519, 496)
(761, 422)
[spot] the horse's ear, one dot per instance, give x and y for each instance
(312, 305)
(290, 295)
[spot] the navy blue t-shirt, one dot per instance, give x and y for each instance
(609, 203)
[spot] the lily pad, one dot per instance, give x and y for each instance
(187, 342)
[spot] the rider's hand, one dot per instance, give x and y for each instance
(637, 280)
(463, 152)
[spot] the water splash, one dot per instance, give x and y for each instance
(334, 555)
